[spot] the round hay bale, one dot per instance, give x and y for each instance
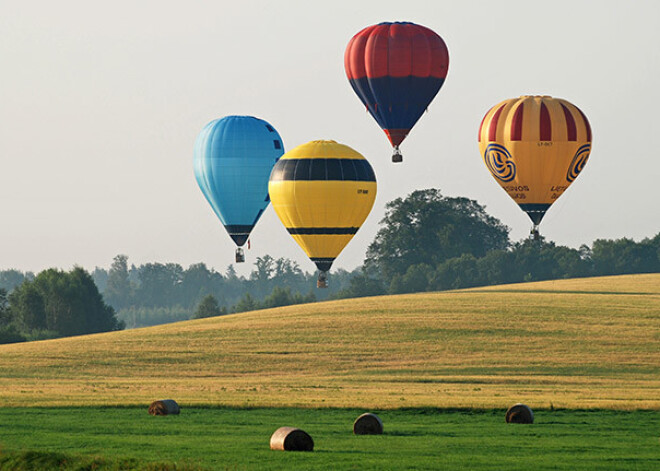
(519, 414)
(164, 407)
(368, 424)
(291, 439)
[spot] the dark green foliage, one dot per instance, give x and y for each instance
(459, 272)
(65, 303)
(415, 279)
(208, 307)
(5, 313)
(362, 284)
(624, 256)
(144, 317)
(10, 334)
(284, 297)
(430, 242)
(246, 303)
(428, 228)
(28, 307)
(278, 297)
(539, 260)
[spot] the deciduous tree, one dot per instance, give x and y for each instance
(429, 228)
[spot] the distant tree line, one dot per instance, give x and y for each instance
(209, 307)
(157, 293)
(54, 304)
(426, 242)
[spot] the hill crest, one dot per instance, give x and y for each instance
(566, 343)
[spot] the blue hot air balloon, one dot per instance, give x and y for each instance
(233, 159)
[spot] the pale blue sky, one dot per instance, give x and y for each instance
(100, 104)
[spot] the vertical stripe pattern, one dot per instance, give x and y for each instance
(535, 147)
(532, 118)
(571, 130)
(545, 128)
(517, 123)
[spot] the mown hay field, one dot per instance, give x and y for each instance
(587, 343)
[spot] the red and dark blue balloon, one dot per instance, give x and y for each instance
(396, 69)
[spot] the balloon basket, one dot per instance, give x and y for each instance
(322, 281)
(396, 156)
(534, 233)
(240, 255)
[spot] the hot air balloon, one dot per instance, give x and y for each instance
(535, 147)
(396, 69)
(233, 159)
(322, 192)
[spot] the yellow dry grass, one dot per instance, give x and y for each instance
(570, 343)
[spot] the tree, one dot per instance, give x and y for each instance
(208, 307)
(415, 279)
(283, 297)
(119, 289)
(10, 334)
(265, 267)
(247, 303)
(622, 256)
(428, 228)
(159, 284)
(360, 285)
(456, 273)
(70, 304)
(10, 279)
(197, 282)
(100, 277)
(5, 313)
(28, 308)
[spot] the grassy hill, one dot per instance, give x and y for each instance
(586, 343)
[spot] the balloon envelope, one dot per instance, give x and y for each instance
(396, 69)
(535, 147)
(233, 159)
(322, 192)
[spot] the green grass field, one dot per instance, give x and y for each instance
(440, 369)
(238, 439)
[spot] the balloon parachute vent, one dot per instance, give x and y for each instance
(396, 156)
(240, 255)
(322, 281)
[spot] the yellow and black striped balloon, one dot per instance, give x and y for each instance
(535, 147)
(322, 192)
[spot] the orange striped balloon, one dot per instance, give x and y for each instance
(535, 146)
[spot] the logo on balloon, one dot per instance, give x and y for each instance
(577, 164)
(499, 162)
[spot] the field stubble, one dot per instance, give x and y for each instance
(587, 343)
